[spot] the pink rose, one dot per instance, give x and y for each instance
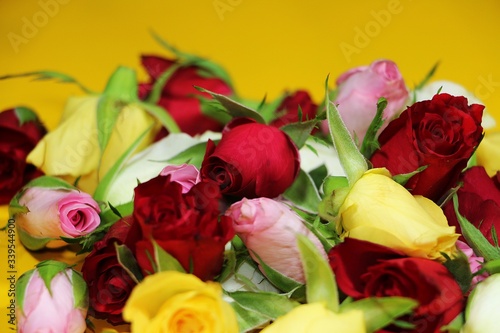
(359, 89)
(186, 174)
(475, 262)
(269, 230)
(53, 213)
(60, 306)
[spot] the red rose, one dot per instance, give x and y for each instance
(109, 284)
(365, 269)
(441, 134)
(478, 202)
(251, 160)
(21, 130)
(288, 109)
(188, 226)
(179, 95)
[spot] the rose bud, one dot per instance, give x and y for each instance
(475, 262)
(179, 95)
(440, 134)
(251, 160)
(481, 313)
(51, 298)
(48, 209)
(288, 111)
(358, 91)
(21, 130)
(187, 175)
(269, 229)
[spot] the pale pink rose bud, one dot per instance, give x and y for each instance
(54, 213)
(269, 230)
(52, 298)
(186, 174)
(475, 262)
(358, 91)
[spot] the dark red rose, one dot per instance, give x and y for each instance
(441, 134)
(179, 95)
(288, 109)
(251, 160)
(188, 226)
(109, 284)
(478, 202)
(363, 269)
(21, 130)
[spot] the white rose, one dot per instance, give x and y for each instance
(483, 307)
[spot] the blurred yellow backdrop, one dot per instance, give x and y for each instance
(266, 46)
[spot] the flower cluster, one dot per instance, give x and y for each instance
(374, 210)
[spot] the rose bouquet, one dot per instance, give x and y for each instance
(374, 210)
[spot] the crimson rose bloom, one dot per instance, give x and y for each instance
(251, 160)
(109, 284)
(288, 109)
(478, 202)
(179, 95)
(21, 130)
(441, 134)
(365, 269)
(186, 225)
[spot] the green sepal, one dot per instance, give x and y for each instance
(492, 266)
(303, 193)
(80, 290)
(214, 109)
(107, 181)
(247, 320)
(381, 311)
(425, 80)
(269, 305)
(164, 261)
(25, 115)
(325, 232)
(161, 81)
(403, 178)
(319, 175)
(48, 269)
(268, 110)
(229, 266)
(114, 213)
(460, 269)
(235, 109)
(193, 155)
(205, 64)
(50, 75)
(455, 326)
(162, 115)
(299, 132)
(351, 159)
(370, 141)
(280, 281)
(21, 285)
(474, 237)
(32, 243)
(334, 183)
(320, 281)
(127, 260)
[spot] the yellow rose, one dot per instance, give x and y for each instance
(316, 318)
(72, 150)
(177, 302)
(488, 153)
(379, 210)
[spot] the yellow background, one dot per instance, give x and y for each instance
(266, 46)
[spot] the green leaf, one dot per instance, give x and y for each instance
(319, 175)
(381, 311)
(325, 233)
(25, 115)
(403, 178)
(455, 326)
(163, 116)
(127, 260)
(303, 193)
(320, 281)
(271, 305)
(109, 216)
(333, 183)
(299, 132)
(80, 291)
(370, 141)
(460, 269)
(234, 108)
(50, 75)
(193, 155)
(474, 237)
(107, 181)
(21, 285)
(268, 110)
(248, 320)
(214, 110)
(164, 261)
(492, 266)
(351, 159)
